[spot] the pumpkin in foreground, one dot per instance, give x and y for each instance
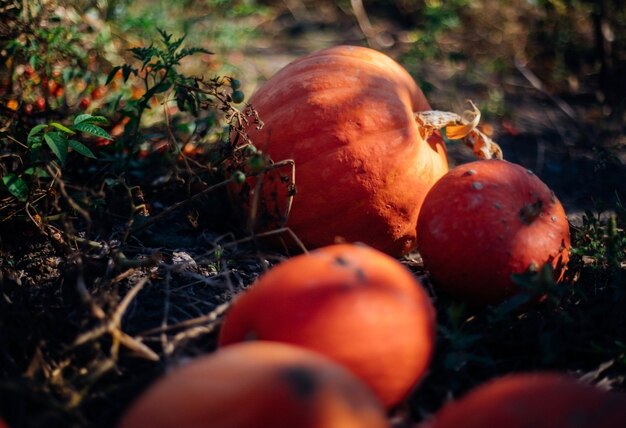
(264, 385)
(353, 304)
(346, 116)
(486, 220)
(537, 400)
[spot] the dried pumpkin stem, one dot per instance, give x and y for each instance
(457, 127)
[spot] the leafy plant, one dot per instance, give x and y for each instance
(59, 140)
(600, 246)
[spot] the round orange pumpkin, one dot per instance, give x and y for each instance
(539, 400)
(351, 303)
(260, 384)
(345, 115)
(486, 220)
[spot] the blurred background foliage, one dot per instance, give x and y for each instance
(574, 47)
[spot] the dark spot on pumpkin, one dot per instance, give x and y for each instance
(341, 261)
(470, 172)
(477, 185)
(301, 380)
(530, 212)
(360, 275)
(497, 205)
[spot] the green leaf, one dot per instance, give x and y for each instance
(112, 74)
(58, 145)
(161, 87)
(16, 186)
(92, 129)
(81, 148)
(36, 171)
(87, 118)
(62, 128)
(36, 130)
(126, 70)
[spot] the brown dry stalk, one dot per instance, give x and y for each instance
(457, 127)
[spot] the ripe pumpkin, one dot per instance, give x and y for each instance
(345, 115)
(539, 400)
(351, 303)
(486, 220)
(260, 384)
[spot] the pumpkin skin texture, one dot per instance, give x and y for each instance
(356, 305)
(260, 384)
(538, 400)
(486, 220)
(345, 116)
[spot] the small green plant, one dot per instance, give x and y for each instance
(599, 248)
(59, 140)
(157, 81)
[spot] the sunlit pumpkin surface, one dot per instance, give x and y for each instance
(345, 115)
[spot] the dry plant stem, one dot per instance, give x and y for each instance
(177, 205)
(209, 318)
(255, 201)
(538, 85)
(269, 233)
(460, 128)
(55, 173)
(112, 326)
(165, 343)
(364, 22)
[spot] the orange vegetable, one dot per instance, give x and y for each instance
(351, 303)
(345, 115)
(540, 400)
(260, 384)
(483, 222)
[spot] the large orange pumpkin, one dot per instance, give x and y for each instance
(345, 115)
(486, 220)
(351, 303)
(260, 384)
(539, 400)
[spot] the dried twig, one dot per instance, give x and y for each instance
(178, 205)
(112, 326)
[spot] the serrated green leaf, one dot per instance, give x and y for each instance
(81, 148)
(36, 130)
(16, 186)
(126, 70)
(58, 145)
(92, 129)
(87, 118)
(62, 128)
